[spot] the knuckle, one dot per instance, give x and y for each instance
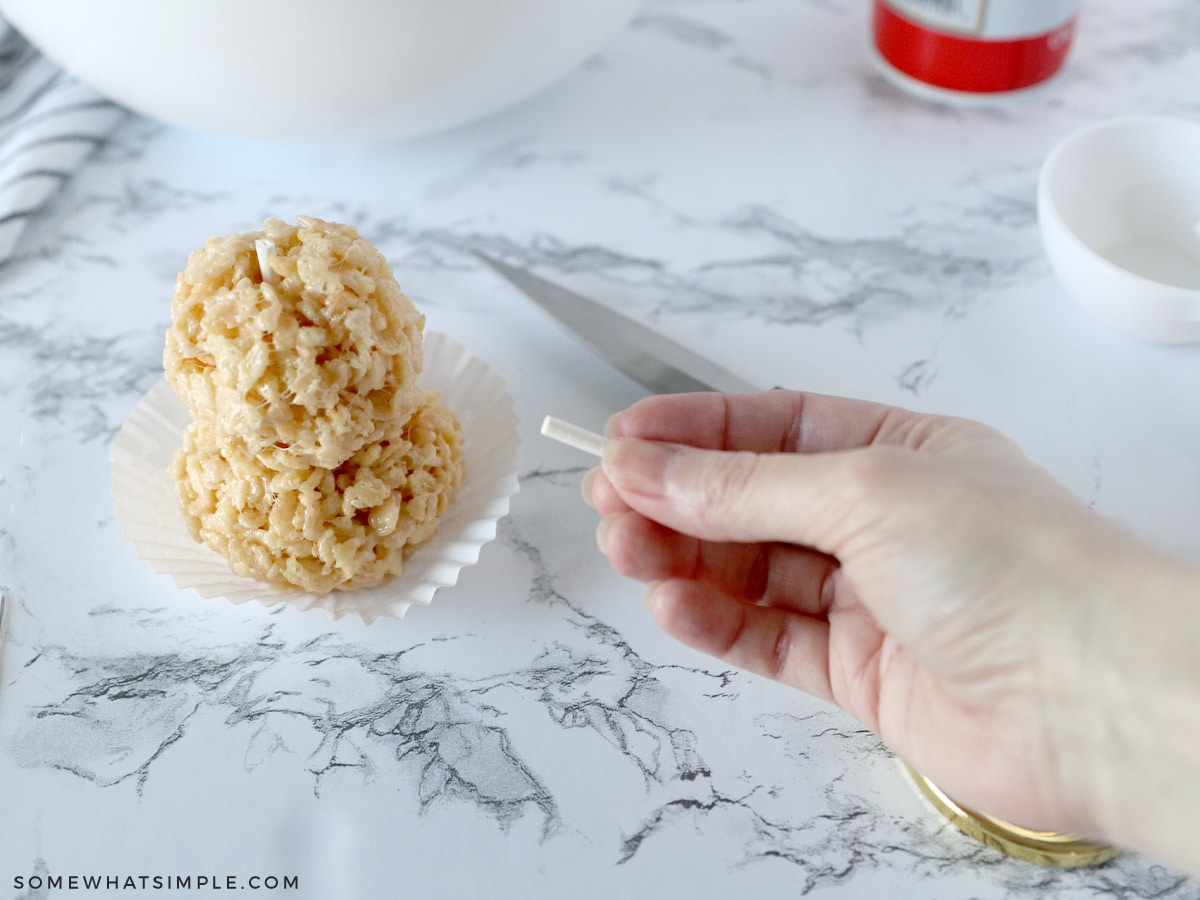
(872, 476)
(777, 662)
(869, 487)
(725, 486)
(732, 644)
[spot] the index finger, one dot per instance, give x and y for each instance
(776, 421)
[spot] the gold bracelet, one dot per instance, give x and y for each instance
(1045, 848)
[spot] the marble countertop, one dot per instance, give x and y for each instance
(733, 173)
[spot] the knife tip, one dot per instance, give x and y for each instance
(489, 261)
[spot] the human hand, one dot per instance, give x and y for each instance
(918, 571)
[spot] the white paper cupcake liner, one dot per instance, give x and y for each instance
(148, 506)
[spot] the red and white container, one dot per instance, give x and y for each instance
(963, 50)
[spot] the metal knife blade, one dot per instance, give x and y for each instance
(653, 361)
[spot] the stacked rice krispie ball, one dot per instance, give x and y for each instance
(314, 458)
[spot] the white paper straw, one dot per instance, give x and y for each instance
(265, 248)
(574, 436)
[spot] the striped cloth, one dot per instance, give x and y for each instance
(49, 125)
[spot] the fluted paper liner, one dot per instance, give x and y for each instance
(148, 506)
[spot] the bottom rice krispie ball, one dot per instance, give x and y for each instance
(321, 529)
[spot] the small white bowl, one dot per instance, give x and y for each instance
(314, 69)
(1119, 208)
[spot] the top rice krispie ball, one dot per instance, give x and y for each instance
(311, 367)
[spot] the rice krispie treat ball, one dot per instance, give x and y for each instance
(314, 365)
(318, 528)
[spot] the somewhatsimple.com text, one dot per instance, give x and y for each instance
(156, 883)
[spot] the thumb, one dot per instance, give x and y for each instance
(734, 496)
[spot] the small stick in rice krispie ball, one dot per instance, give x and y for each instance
(313, 361)
(321, 529)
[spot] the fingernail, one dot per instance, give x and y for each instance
(648, 592)
(638, 466)
(602, 531)
(610, 425)
(588, 479)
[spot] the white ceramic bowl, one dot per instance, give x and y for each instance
(318, 69)
(1119, 208)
